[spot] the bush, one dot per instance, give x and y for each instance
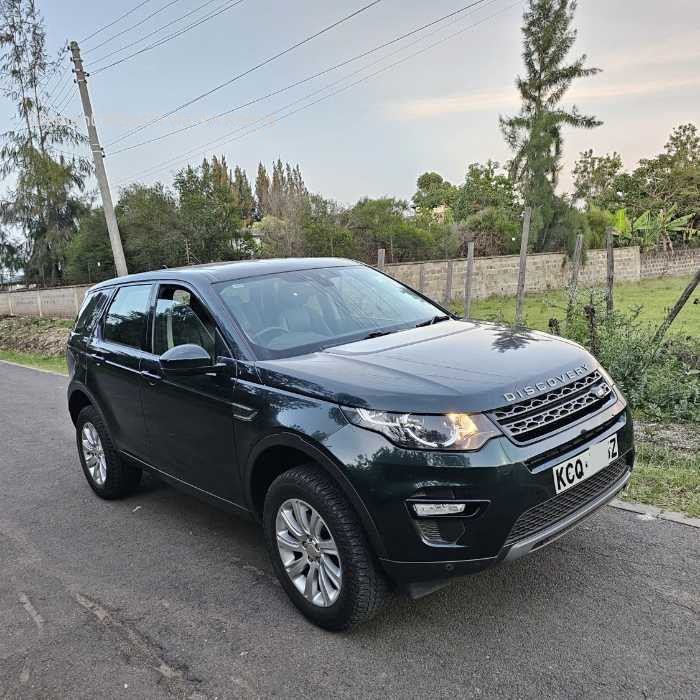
(662, 382)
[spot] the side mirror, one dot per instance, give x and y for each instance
(187, 359)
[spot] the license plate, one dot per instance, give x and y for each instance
(584, 465)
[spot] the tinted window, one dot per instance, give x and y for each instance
(180, 319)
(125, 322)
(90, 311)
(302, 311)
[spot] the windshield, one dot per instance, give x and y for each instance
(292, 313)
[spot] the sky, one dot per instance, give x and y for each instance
(437, 110)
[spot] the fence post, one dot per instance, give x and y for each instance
(573, 285)
(448, 281)
(9, 302)
(468, 279)
(76, 305)
(38, 302)
(523, 265)
(611, 270)
(381, 253)
(421, 277)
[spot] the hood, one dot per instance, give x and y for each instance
(450, 366)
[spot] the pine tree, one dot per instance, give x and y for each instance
(535, 134)
(262, 193)
(244, 194)
(278, 189)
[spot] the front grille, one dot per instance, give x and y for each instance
(535, 418)
(541, 516)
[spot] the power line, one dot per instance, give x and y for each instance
(168, 38)
(304, 80)
(56, 93)
(202, 148)
(150, 34)
(133, 26)
(249, 70)
(111, 24)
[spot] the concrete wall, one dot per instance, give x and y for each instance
(56, 302)
(681, 262)
(496, 275)
(499, 275)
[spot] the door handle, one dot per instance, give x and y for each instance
(151, 376)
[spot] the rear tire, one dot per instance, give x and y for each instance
(108, 475)
(322, 538)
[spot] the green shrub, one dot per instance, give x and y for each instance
(659, 382)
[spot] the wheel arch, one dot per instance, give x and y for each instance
(276, 454)
(78, 399)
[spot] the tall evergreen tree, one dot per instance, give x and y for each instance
(262, 192)
(535, 134)
(244, 193)
(278, 188)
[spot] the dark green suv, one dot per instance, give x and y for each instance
(382, 442)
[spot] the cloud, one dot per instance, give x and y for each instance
(507, 98)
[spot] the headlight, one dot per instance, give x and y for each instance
(453, 431)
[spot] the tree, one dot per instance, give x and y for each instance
(89, 254)
(672, 178)
(383, 223)
(496, 231)
(485, 187)
(535, 134)
(150, 224)
(45, 201)
(262, 193)
(432, 191)
(244, 194)
(596, 180)
(209, 214)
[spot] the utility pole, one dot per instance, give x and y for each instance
(98, 157)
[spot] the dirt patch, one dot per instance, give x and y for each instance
(684, 437)
(40, 336)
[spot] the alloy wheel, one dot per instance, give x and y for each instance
(94, 454)
(308, 552)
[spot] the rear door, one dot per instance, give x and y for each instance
(190, 418)
(114, 356)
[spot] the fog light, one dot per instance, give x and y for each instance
(428, 510)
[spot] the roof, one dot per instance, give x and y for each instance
(225, 271)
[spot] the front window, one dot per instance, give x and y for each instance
(292, 313)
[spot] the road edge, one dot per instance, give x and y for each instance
(654, 512)
(36, 369)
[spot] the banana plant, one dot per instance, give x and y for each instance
(662, 227)
(648, 230)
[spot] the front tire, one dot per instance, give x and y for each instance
(319, 550)
(108, 475)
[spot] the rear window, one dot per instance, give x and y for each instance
(90, 311)
(125, 322)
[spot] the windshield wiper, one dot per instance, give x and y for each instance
(377, 334)
(434, 319)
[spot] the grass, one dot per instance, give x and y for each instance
(654, 296)
(666, 478)
(54, 364)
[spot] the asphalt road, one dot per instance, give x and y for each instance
(161, 595)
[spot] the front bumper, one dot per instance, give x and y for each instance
(502, 480)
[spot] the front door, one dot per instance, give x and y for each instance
(190, 418)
